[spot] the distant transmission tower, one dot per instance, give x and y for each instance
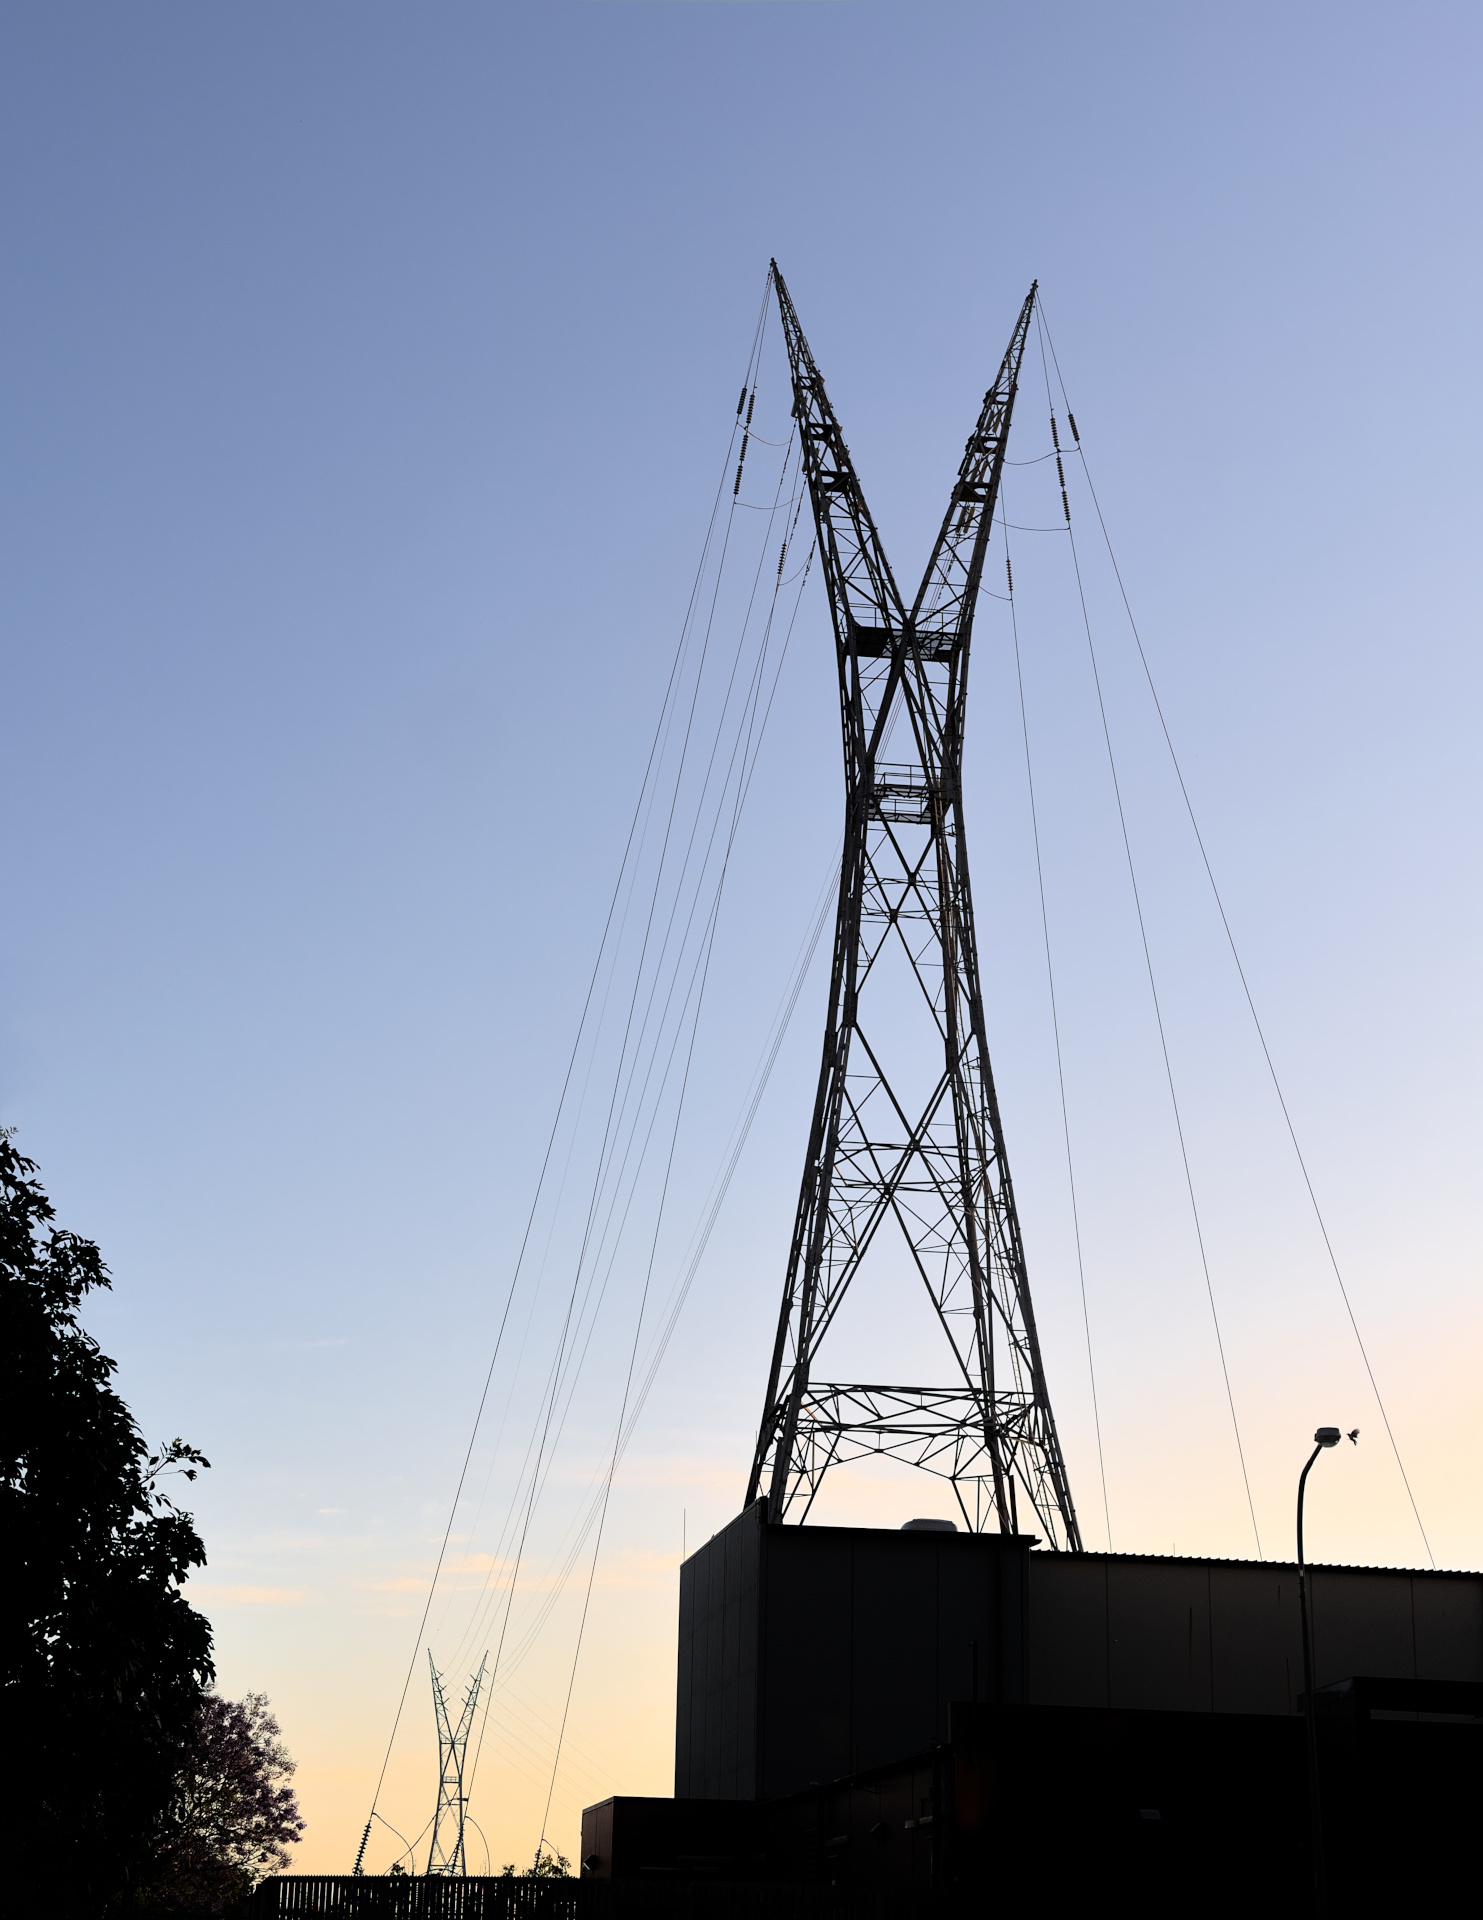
(446, 1855)
(906, 1131)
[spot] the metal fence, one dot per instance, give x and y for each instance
(315, 1896)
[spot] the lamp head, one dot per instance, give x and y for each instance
(1328, 1436)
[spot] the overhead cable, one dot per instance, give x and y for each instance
(1158, 1011)
(1240, 969)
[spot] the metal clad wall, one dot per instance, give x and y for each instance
(597, 1838)
(1256, 1638)
(896, 1627)
(1158, 1636)
(1225, 1636)
(1361, 1624)
(968, 1609)
(1449, 1629)
(689, 1744)
(869, 1638)
(808, 1644)
(718, 1680)
(1066, 1631)
(810, 1653)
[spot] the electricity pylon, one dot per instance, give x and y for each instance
(446, 1854)
(906, 1129)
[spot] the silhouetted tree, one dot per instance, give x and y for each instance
(549, 1865)
(102, 1662)
(233, 1816)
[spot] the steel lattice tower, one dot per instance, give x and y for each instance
(446, 1854)
(918, 1143)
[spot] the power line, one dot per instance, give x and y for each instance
(743, 789)
(720, 1186)
(644, 791)
(1236, 957)
(1055, 1022)
(748, 744)
(1152, 983)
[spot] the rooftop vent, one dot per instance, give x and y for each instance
(929, 1526)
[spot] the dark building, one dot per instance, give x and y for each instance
(932, 1709)
(809, 1653)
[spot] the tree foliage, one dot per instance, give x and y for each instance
(102, 1661)
(233, 1816)
(549, 1865)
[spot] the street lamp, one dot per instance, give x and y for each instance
(1325, 1437)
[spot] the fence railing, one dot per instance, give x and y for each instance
(316, 1896)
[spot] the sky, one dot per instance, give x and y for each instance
(368, 374)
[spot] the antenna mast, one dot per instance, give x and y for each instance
(919, 1147)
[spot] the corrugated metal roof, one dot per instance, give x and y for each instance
(1314, 1566)
(1152, 1559)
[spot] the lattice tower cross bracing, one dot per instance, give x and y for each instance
(446, 1854)
(880, 1155)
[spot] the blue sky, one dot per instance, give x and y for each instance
(368, 371)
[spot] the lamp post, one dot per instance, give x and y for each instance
(1325, 1437)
